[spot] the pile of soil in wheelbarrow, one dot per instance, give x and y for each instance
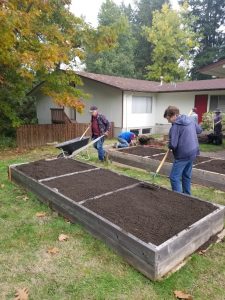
(49, 168)
(151, 214)
(142, 150)
(82, 186)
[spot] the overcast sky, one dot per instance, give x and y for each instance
(90, 8)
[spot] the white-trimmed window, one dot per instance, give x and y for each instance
(141, 105)
(217, 102)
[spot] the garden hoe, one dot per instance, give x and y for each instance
(164, 158)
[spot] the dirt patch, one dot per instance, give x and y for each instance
(90, 184)
(216, 165)
(143, 150)
(170, 158)
(152, 215)
(49, 168)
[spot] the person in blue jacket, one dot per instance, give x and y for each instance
(183, 142)
(125, 139)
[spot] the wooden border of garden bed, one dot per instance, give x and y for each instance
(151, 260)
(202, 177)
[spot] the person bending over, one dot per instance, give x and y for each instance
(183, 142)
(125, 139)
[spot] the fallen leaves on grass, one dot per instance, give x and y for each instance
(202, 252)
(2, 186)
(25, 198)
(182, 295)
(63, 237)
(41, 214)
(21, 294)
(53, 250)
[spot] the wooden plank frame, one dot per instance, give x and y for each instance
(151, 260)
(202, 177)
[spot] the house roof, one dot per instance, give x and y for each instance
(137, 85)
(215, 69)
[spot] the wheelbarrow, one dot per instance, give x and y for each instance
(70, 146)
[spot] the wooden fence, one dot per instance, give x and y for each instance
(30, 136)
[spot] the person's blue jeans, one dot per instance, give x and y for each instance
(99, 147)
(122, 143)
(180, 176)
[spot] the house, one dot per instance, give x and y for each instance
(216, 69)
(135, 105)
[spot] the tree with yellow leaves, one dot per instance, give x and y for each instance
(37, 37)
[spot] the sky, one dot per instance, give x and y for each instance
(90, 8)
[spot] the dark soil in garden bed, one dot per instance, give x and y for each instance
(152, 215)
(216, 165)
(49, 168)
(201, 162)
(90, 184)
(170, 158)
(142, 150)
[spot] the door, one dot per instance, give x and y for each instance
(201, 102)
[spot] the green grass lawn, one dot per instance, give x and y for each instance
(84, 267)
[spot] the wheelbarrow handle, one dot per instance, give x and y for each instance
(86, 146)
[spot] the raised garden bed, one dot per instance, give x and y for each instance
(153, 228)
(206, 171)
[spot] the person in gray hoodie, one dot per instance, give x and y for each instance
(183, 142)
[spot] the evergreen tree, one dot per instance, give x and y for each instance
(209, 18)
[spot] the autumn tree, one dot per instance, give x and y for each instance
(173, 41)
(209, 20)
(118, 60)
(37, 38)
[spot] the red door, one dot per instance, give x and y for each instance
(201, 102)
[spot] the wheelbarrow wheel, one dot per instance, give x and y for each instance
(63, 154)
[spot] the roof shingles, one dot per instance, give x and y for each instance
(129, 84)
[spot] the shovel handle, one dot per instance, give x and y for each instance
(85, 132)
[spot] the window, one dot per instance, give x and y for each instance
(217, 101)
(141, 105)
(146, 130)
(135, 131)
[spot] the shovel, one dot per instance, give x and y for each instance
(85, 132)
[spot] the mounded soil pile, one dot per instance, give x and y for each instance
(151, 214)
(215, 165)
(49, 168)
(82, 186)
(142, 150)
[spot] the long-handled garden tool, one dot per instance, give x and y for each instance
(85, 132)
(164, 158)
(161, 164)
(86, 146)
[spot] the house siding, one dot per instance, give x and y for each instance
(107, 99)
(43, 108)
